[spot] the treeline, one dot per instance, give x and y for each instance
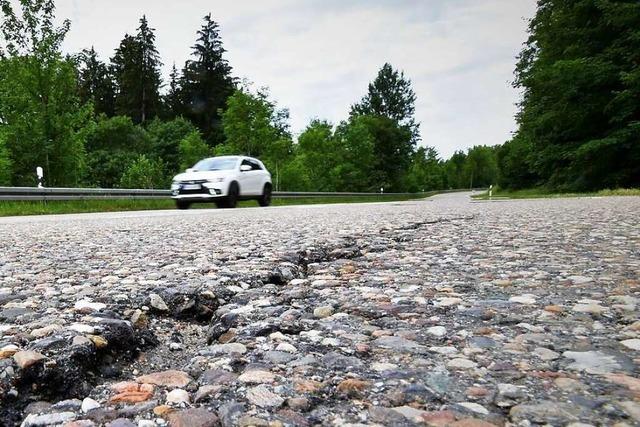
(117, 124)
(579, 120)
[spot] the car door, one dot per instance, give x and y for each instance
(250, 180)
(244, 178)
(257, 176)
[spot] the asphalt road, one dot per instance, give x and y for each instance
(431, 311)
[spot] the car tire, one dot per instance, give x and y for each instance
(265, 199)
(231, 201)
(182, 205)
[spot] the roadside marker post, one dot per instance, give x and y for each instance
(40, 174)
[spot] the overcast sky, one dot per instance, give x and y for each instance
(317, 56)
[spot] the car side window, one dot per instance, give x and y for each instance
(255, 165)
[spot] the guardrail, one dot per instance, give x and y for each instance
(41, 194)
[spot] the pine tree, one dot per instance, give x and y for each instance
(95, 83)
(207, 82)
(136, 67)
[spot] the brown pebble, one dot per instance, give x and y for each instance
(352, 386)
(307, 386)
(26, 359)
(477, 392)
(556, 309)
(162, 410)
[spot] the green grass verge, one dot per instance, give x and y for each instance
(541, 193)
(19, 208)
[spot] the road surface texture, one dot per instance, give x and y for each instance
(439, 312)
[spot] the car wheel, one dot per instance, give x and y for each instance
(182, 205)
(265, 199)
(231, 201)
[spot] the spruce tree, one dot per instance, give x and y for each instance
(207, 82)
(95, 84)
(173, 103)
(136, 67)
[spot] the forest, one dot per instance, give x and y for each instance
(117, 123)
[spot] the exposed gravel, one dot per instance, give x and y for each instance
(439, 312)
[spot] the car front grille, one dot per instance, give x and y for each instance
(196, 181)
(201, 190)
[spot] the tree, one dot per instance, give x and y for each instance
(514, 164)
(390, 95)
(5, 162)
(388, 109)
(144, 172)
(454, 171)
(95, 84)
(317, 150)
(426, 172)
(579, 120)
(356, 157)
(207, 83)
(41, 118)
(192, 149)
(112, 145)
(294, 177)
(173, 102)
(253, 125)
(136, 68)
(392, 151)
(165, 138)
(480, 167)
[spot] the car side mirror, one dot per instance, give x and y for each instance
(190, 170)
(245, 168)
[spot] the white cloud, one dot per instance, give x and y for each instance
(317, 56)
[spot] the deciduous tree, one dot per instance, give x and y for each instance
(42, 120)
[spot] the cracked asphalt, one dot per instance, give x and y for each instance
(439, 312)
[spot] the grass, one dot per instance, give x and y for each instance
(20, 208)
(542, 193)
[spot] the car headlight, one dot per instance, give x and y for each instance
(217, 180)
(175, 185)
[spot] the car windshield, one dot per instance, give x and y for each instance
(216, 164)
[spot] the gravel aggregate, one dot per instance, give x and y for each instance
(436, 312)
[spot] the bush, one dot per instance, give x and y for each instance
(144, 173)
(166, 138)
(112, 145)
(5, 164)
(192, 149)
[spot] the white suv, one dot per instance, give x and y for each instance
(223, 180)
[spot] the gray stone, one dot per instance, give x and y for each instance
(158, 303)
(33, 420)
(592, 362)
(229, 348)
(547, 412)
(399, 344)
(263, 397)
